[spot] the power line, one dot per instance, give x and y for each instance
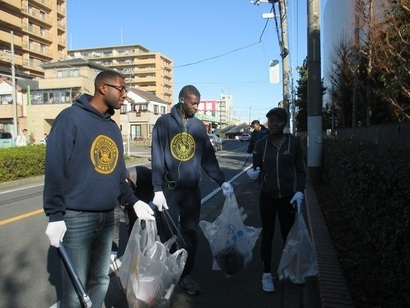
(227, 53)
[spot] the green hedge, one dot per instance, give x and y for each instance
(21, 162)
(372, 183)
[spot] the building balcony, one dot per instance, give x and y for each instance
(38, 32)
(142, 61)
(61, 25)
(6, 110)
(145, 79)
(5, 37)
(33, 64)
(62, 41)
(10, 19)
(60, 10)
(124, 63)
(43, 51)
(46, 4)
(37, 16)
(11, 3)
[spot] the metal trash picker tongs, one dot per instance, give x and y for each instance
(77, 282)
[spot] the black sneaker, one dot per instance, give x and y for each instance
(189, 285)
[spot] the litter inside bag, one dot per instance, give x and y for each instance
(230, 240)
(298, 259)
(229, 260)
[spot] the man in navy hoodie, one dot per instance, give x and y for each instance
(180, 148)
(84, 181)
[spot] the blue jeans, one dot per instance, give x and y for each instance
(88, 243)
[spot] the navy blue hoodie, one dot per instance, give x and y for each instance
(85, 168)
(179, 151)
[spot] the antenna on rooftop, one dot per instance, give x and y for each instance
(121, 37)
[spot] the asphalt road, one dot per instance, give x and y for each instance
(29, 267)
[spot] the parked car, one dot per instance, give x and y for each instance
(216, 142)
(6, 140)
(245, 137)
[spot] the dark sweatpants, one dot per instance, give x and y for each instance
(184, 207)
(269, 207)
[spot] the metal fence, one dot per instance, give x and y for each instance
(394, 134)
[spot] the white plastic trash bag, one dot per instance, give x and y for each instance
(230, 240)
(298, 259)
(149, 271)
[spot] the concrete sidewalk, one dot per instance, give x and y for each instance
(243, 289)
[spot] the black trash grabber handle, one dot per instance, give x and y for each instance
(246, 161)
(77, 282)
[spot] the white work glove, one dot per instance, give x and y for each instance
(143, 211)
(160, 201)
(249, 155)
(253, 173)
(227, 189)
(298, 198)
(55, 232)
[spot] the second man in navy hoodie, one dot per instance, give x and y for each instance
(180, 148)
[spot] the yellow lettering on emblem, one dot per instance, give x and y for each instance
(104, 154)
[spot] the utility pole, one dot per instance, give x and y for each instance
(13, 90)
(314, 93)
(284, 49)
(284, 53)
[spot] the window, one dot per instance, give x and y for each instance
(58, 96)
(135, 131)
(67, 73)
(6, 99)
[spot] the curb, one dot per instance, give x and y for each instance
(332, 284)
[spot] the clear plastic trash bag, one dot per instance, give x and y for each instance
(231, 241)
(298, 259)
(148, 271)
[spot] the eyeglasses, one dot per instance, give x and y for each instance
(122, 89)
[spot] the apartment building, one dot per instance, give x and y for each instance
(32, 32)
(38, 102)
(149, 71)
(139, 114)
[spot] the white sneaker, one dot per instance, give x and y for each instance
(267, 282)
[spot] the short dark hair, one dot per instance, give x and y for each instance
(255, 122)
(106, 75)
(187, 90)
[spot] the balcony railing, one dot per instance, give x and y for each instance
(44, 3)
(61, 24)
(60, 10)
(38, 49)
(36, 14)
(38, 32)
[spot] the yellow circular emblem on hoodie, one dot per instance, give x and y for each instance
(182, 146)
(104, 154)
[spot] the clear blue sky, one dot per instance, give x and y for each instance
(195, 32)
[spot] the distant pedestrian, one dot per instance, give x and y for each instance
(21, 139)
(44, 140)
(259, 131)
(282, 182)
(180, 150)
